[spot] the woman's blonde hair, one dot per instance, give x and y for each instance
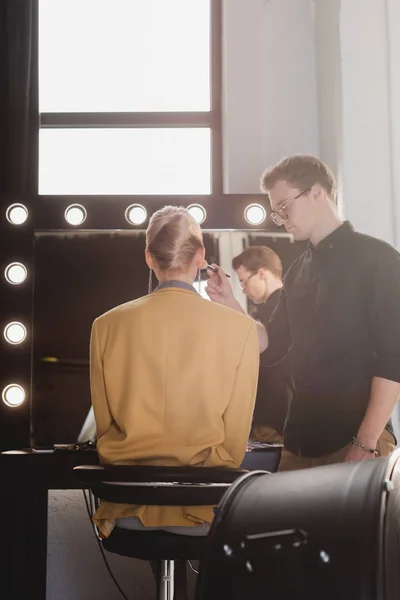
(172, 238)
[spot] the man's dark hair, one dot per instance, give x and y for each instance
(301, 171)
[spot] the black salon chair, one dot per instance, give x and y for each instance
(162, 486)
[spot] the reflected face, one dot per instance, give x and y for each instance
(254, 284)
(294, 208)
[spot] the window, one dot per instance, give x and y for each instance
(125, 98)
(124, 55)
(124, 161)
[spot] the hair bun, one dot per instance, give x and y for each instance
(173, 237)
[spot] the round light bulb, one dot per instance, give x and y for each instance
(255, 214)
(136, 214)
(15, 332)
(17, 214)
(15, 273)
(75, 214)
(13, 395)
(198, 213)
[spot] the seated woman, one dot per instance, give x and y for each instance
(173, 377)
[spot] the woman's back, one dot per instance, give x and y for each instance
(179, 377)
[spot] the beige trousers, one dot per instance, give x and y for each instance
(292, 462)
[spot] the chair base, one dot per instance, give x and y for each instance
(166, 580)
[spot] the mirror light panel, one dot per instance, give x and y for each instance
(136, 214)
(75, 214)
(15, 273)
(255, 214)
(13, 395)
(15, 333)
(17, 214)
(198, 212)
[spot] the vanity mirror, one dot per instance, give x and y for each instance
(79, 276)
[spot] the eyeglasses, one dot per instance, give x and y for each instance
(280, 214)
(244, 283)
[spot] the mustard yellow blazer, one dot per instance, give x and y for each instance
(173, 382)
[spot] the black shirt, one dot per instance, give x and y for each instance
(340, 312)
(275, 384)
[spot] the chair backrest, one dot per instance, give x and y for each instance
(162, 486)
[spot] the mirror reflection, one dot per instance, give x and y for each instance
(79, 276)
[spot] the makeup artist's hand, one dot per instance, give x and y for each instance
(219, 289)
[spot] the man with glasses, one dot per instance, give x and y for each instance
(339, 312)
(260, 274)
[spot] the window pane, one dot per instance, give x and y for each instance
(124, 161)
(124, 55)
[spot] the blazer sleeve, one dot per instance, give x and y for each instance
(101, 410)
(239, 412)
